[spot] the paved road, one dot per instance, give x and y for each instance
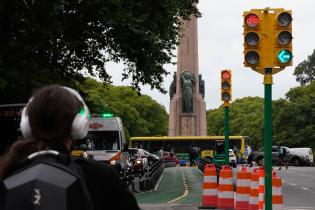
(299, 187)
(298, 190)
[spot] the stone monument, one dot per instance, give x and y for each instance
(187, 107)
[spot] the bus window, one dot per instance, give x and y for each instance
(235, 144)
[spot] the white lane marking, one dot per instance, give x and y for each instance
(304, 188)
(156, 186)
(185, 187)
(300, 173)
(292, 184)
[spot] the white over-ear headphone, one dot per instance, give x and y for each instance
(79, 126)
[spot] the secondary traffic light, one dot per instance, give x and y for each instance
(283, 41)
(252, 31)
(226, 85)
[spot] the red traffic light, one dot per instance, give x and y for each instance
(252, 20)
(225, 75)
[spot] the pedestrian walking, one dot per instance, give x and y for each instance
(50, 123)
(280, 156)
(282, 152)
(191, 155)
(246, 154)
(161, 152)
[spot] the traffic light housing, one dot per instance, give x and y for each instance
(267, 39)
(283, 38)
(226, 85)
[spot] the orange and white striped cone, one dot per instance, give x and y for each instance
(254, 190)
(277, 197)
(261, 187)
(210, 188)
(242, 189)
(226, 188)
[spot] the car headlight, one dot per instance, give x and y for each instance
(113, 162)
(138, 162)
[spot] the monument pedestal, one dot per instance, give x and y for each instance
(188, 123)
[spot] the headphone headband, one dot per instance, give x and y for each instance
(79, 126)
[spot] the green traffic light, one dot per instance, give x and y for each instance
(284, 56)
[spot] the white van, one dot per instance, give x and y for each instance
(105, 139)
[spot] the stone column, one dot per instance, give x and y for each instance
(191, 123)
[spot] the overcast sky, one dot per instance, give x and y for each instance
(220, 42)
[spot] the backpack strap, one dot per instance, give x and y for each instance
(74, 166)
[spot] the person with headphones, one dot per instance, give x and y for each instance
(50, 123)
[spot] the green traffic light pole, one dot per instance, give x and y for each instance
(226, 133)
(268, 137)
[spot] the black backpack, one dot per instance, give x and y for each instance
(45, 183)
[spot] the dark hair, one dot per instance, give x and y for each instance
(50, 113)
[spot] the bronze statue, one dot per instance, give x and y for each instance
(201, 86)
(172, 89)
(188, 84)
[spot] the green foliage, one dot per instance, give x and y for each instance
(141, 115)
(305, 71)
(296, 118)
(44, 42)
(246, 119)
(293, 119)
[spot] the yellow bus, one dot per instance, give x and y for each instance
(180, 144)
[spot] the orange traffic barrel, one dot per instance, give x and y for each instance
(261, 187)
(242, 189)
(277, 197)
(254, 190)
(226, 188)
(210, 187)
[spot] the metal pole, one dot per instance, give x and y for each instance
(268, 137)
(226, 133)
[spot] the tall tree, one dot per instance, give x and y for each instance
(246, 119)
(305, 71)
(44, 42)
(141, 115)
(296, 118)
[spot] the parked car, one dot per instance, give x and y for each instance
(305, 155)
(258, 156)
(167, 156)
(139, 160)
(293, 156)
